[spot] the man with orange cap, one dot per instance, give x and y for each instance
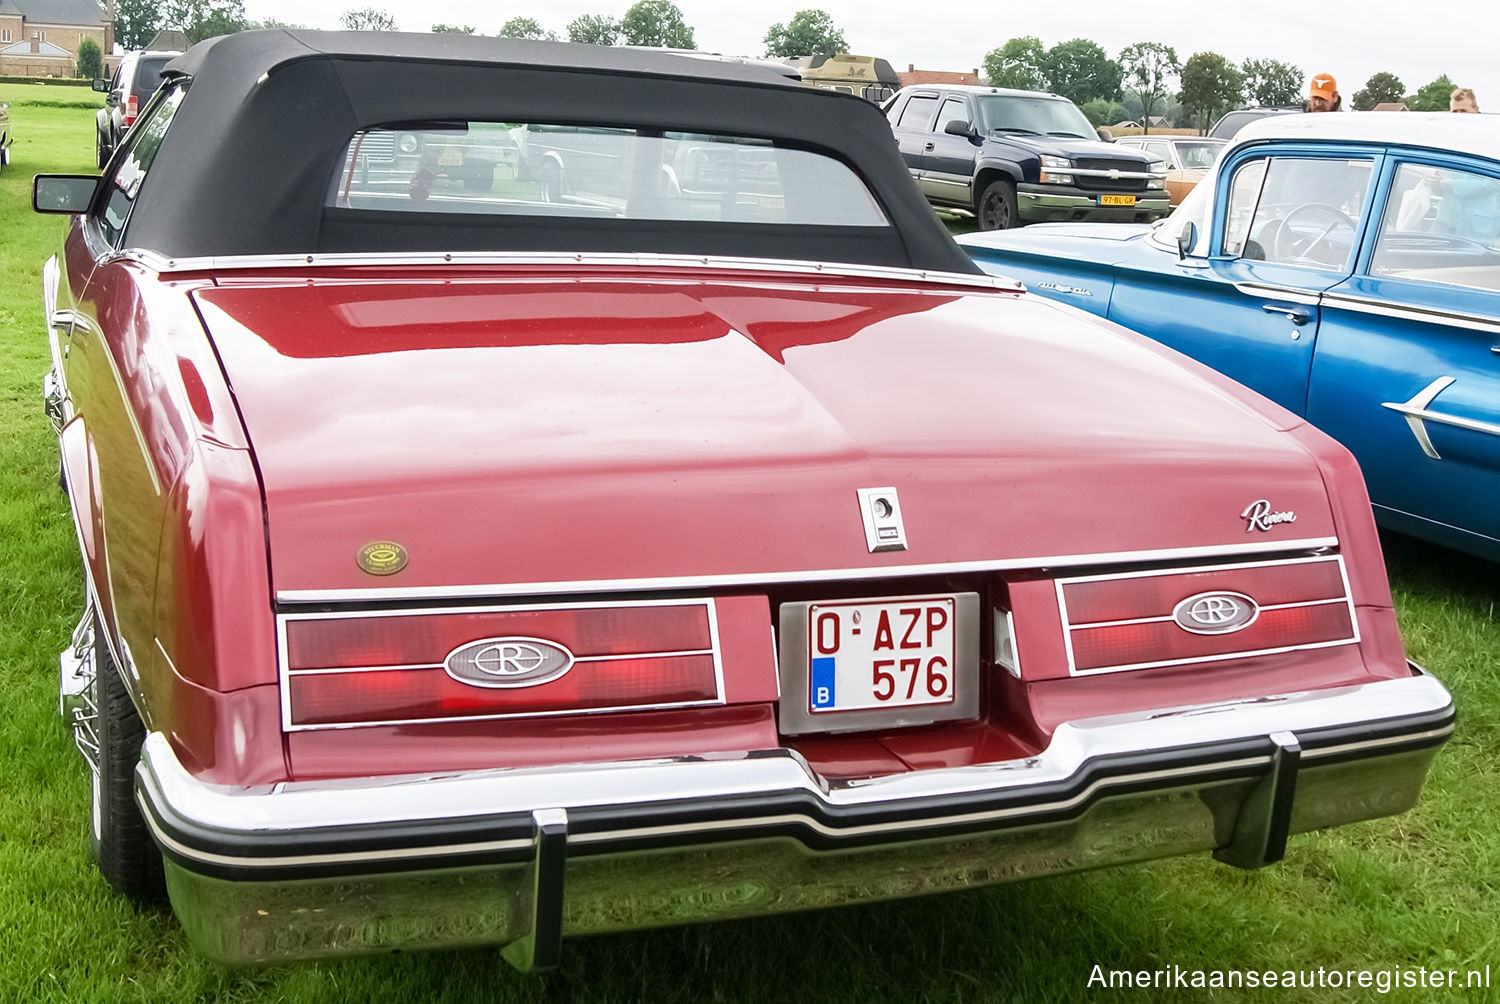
(1323, 95)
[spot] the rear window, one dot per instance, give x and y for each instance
(148, 77)
(573, 171)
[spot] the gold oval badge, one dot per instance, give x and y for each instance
(383, 557)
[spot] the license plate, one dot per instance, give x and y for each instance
(877, 662)
(888, 654)
(1117, 200)
(450, 156)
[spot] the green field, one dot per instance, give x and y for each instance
(1422, 890)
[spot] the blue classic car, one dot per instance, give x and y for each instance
(1345, 266)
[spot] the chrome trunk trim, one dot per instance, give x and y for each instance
(1302, 546)
(562, 259)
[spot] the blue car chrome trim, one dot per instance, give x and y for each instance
(1411, 312)
(1416, 414)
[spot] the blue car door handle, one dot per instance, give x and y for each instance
(1295, 314)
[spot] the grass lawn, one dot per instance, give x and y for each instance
(1422, 890)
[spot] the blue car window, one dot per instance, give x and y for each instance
(1244, 193)
(1441, 225)
(1300, 210)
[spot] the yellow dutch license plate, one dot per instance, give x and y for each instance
(454, 157)
(1117, 200)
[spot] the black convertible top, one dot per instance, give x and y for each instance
(246, 165)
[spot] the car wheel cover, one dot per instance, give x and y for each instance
(995, 210)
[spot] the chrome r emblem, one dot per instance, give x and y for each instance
(508, 662)
(1216, 613)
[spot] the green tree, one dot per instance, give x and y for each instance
(90, 59)
(808, 33)
(1018, 63)
(1380, 87)
(137, 22)
(1271, 83)
(453, 29)
(594, 29)
(1148, 68)
(272, 22)
(200, 19)
(367, 19)
(1210, 85)
(1104, 112)
(1432, 97)
(1079, 70)
(525, 27)
(656, 23)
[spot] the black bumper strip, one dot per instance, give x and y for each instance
(270, 855)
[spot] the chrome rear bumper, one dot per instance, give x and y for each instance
(523, 857)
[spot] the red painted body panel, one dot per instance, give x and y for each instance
(677, 426)
(512, 426)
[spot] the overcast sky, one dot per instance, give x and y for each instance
(1417, 42)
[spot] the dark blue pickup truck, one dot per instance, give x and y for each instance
(1012, 157)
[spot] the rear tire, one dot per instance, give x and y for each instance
(123, 849)
(996, 209)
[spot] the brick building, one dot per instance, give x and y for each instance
(40, 38)
(916, 76)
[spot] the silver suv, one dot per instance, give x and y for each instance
(134, 82)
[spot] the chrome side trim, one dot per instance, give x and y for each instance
(560, 259)
(1068, 626)
(1412, 312)
(51, 273)
(1288, 293)
(271, 812)
(56, 402)
(672, 582)
(1416, 414)
(285, 673)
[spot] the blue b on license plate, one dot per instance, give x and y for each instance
(867, 655)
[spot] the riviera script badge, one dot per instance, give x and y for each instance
(1259, 515)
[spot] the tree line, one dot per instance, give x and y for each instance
(657, 23)
(1147, 76)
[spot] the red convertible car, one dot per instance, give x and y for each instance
(487, 566)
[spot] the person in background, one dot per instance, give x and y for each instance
(1323, 95)
(1462, 100)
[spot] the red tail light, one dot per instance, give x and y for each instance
(132, 109)
(404, 666)
(1136, 621)
(357, 698)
